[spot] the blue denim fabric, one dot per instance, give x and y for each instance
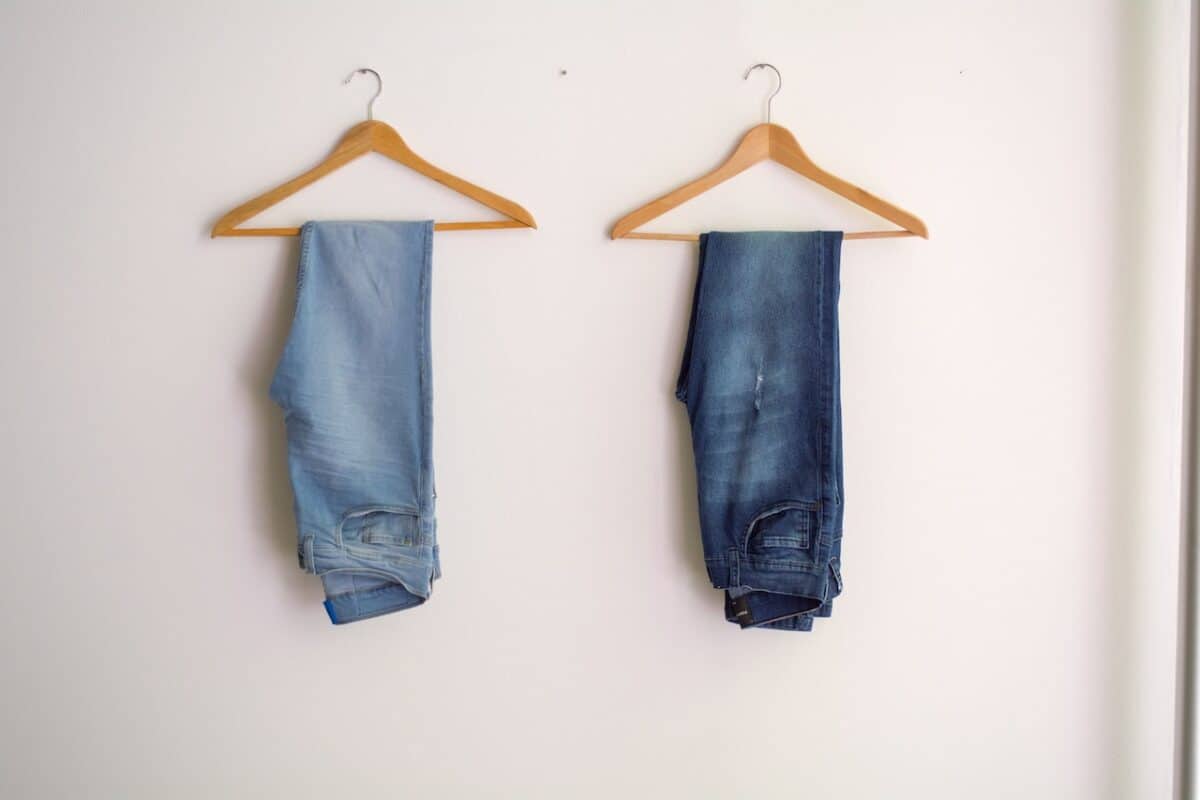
(354, 385)
(760, 379)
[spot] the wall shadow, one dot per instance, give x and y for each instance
(275, 514)
(1129, 313)
(689, 547)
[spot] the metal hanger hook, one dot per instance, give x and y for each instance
(379, 91)
(778, 84)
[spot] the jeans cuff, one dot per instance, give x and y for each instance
(774, 595)
(364, 604)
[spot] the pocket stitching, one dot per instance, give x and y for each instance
(362, 511)
(802, 541)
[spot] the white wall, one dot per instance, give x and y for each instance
(1011, 403)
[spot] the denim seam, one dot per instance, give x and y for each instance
(733, 562)
(302, 269)
(781, 507)
(823, 432)
(370, 537)
(424, 356)
(772, 565)
(685, 367)
(364, 570)
(835, 402)
(795, 542)
(362, 511)
(308, 546)
(368, 593)
(385, 558)
(418, 539)
(353, 595)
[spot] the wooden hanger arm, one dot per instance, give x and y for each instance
(777, 143)
(656, 208)
(788, 153)
(363, 138)
(227, 225)
(437, 226)
(490, 199)
(695, 237)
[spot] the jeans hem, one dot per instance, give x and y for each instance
(354, 606)
(778, 598)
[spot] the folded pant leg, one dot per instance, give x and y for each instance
(354, 384)
(760, 379)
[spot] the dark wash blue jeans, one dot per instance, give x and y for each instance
(760, 379)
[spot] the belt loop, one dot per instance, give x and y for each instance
(306, 555)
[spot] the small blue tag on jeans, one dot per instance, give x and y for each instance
(329, 610)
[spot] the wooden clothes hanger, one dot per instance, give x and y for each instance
(778, 144)
(373, 136)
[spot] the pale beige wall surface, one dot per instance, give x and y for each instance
(1011, 401)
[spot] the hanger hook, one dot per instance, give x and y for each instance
(778, 84)
(379, 91)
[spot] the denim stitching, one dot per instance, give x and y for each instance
(367, 571)
(362, 511)
(424, 355)
(384, 558)
(785, 566)
(732, 562)
(370, 593)
(823, 376)
(302, 268)
(685, 367)
(781, 507)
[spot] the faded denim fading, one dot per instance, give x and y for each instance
(354, 385)
(760, 379)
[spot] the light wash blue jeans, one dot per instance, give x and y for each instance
(354, 385)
